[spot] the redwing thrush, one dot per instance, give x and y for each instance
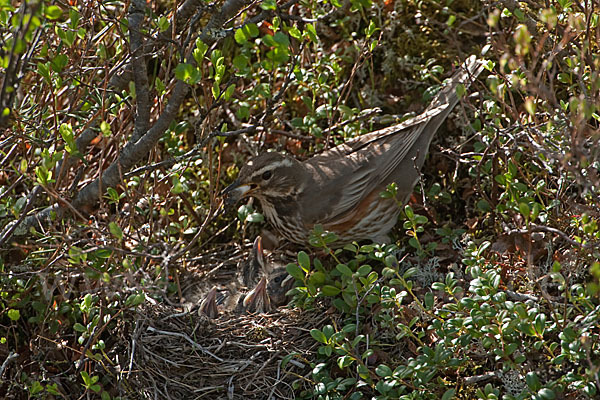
(268, 293)
(340, 188)
(208, 306)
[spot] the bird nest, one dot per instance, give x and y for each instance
(188, 356)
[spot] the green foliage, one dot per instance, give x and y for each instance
(373, 297)
(510, 223)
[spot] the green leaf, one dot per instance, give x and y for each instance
(103, 253)
(87, 302)
(527, 328)
(163, 24)
(59, 62)
(383, 370)
(295, 32)
(317, 278)
(540, 324)
(66, 131)
(484, 206)
(546, 394)
(449, 394)
(216, 90)
(229, 91)
(53, 12)
(371, 29)
(74, 18)
(135, 299)
(304, 261)
(246, 33)
(43, 175)
(187, 73)
(386, 195)
(14, 315)
(429, 300)
(328, 331)
(295, 271)
(460, 90)
(243, 211)
(344, 270)
(176, 186)
(240, 37)
(330, 291)
(533, 382)
(269, 41)
(350, 247)
(201, 49)
(311, 33)
(564, 78)
(364, 270)
(524, 210)
(105, 129)
(318, 336)
(115, 230)
(519, 14)
(345, 361)
(421, 219)
(281, 39)
(241, 62)
(35, 388)
(255, 217)
(86, 378)
(268, 5)
(44, 71)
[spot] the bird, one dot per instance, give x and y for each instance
(271, 290)
(269, 293)
(270, 283)
(339, 189)
(208, 305)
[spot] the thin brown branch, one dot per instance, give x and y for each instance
(142, 87)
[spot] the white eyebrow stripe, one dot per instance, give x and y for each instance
(283, 163)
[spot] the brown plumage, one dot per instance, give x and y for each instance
(208, 306)
(269, 282)
(340, 188)
(270, 291)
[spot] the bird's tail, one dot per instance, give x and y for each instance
(458, 83)
(422, 127)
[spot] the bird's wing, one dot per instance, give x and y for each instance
(368, 167)
(365, 162)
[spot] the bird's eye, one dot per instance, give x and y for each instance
(267, 175)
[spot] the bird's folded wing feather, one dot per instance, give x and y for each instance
(366, 161)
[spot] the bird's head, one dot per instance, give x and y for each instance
(268, 175)
(279, 283)
(257, 300)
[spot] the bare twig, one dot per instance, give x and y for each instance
(140, 146)
(188, 339)
(142, 87)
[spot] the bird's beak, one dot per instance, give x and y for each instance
(208, 306)
(234, 192)
(259, 255)
(256, 265)
(258, 299)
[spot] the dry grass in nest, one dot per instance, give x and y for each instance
(187, 356)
